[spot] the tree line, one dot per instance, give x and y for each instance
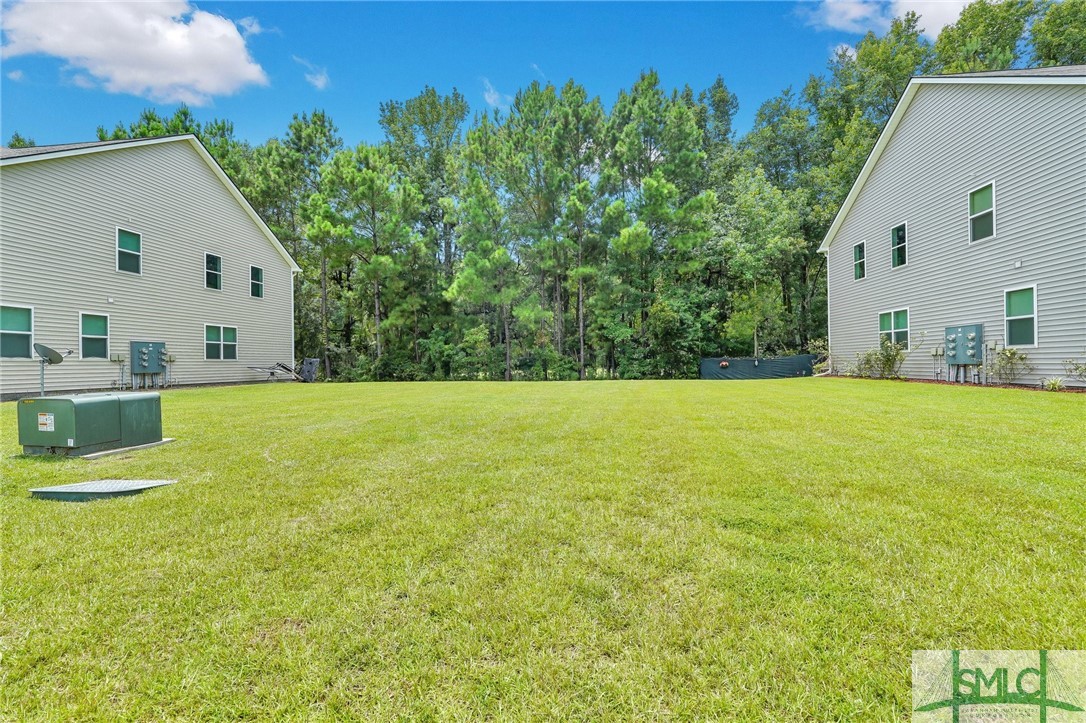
(563, 239)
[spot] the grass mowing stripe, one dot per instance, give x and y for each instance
(751, 550)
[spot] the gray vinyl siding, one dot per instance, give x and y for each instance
(1030, 141)
(58, 254)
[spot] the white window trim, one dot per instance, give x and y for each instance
(854, 261)
(251, 282)
(31, 308)
(220, 272)
(908, 325)
(117, 251)
(1036, 329)
(969, 213)
(82, 336)
(205, 342)
(906, 245)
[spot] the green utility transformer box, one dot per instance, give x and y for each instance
(86, 423)
(964, 344)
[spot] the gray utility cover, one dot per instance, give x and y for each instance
(99, 489)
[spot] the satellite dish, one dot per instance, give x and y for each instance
(49, 356)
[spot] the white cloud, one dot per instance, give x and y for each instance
(844, 48)
(494, 98)
(250, 26)
(15, 75)
(165, 51)
(934, 14)
(537, 69)
(851, 16)
(859, 16)
(317, 76)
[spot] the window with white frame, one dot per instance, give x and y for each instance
(256, 282)
(898, 239)
(982, 213)
(220, 342)
(212, 271)
(93, 336)
(16, 332)
(859, 262)
(129, 251)
(1020, 316)
(894, 327)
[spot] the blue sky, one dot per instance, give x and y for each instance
(67, 68)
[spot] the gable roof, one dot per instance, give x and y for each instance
(6, 152)
(1054, 71)
(1058, 75)
(15, 156)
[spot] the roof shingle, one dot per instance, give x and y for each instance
(1056, 71)
(6, 152)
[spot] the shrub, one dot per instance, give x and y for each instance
(1053, 384)
(883, 362)
(821, 349)
(1075, 369)
(1008, 365)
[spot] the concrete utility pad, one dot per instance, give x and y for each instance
(98, 489)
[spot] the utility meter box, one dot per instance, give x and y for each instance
(964, 344)
(86, 423)
(148, 357)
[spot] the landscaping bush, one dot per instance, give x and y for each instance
(820, 348)
(883, 362)
(1053, 384)
(1008, 365)
(1075, 369)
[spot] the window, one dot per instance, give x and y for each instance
(982, 213)
(894, 327)
(256, 282)
(859, 266)
(220, 342)
(212, 271)
(16, 332)
(129, 252)
(1020, 314)
(93, 336)
(897, 246)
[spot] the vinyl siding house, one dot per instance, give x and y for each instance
(106, 243)
(971, 209)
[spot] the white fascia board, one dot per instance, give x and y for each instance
(242, 201)
(200, 150)
(899, 112)
(1002, 80)
(869, 165)
(69, 152)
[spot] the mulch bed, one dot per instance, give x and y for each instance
(943, 382)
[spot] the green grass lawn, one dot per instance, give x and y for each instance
(769, 550)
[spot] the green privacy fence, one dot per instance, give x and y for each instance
(800, 365)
